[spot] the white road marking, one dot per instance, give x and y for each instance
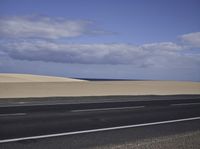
(185, 104)
(98, 130)
(106, 109)
(13, 114)
(22, 102)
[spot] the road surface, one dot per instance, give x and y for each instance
(33, 121)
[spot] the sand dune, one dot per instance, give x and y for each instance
(50, 86)
(8, 77)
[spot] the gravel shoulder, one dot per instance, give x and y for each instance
(189, 140)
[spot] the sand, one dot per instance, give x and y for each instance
(16, 86)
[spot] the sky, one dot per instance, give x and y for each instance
(116, 39)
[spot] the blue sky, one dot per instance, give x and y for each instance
(130, 39)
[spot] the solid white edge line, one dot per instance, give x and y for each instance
(98, 130)
(104, 109)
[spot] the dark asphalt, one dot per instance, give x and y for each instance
(107, 139)
(33, 120)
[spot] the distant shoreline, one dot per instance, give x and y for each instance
(104, 79)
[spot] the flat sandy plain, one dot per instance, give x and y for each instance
(21, 85)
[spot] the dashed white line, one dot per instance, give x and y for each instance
(12, 114)
(98, 130)
(185, 104)
(106, 109)
(22, 102)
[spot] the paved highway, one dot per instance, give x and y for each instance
(32, 121)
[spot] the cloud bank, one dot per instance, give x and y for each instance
(154, 54)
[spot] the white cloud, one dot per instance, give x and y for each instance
(27, 38)
(163, 46)
(192, 38)
(42, 27)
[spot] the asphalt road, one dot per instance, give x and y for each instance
(24, 121)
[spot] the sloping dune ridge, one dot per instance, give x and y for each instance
(6, 77)
(21, 85)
